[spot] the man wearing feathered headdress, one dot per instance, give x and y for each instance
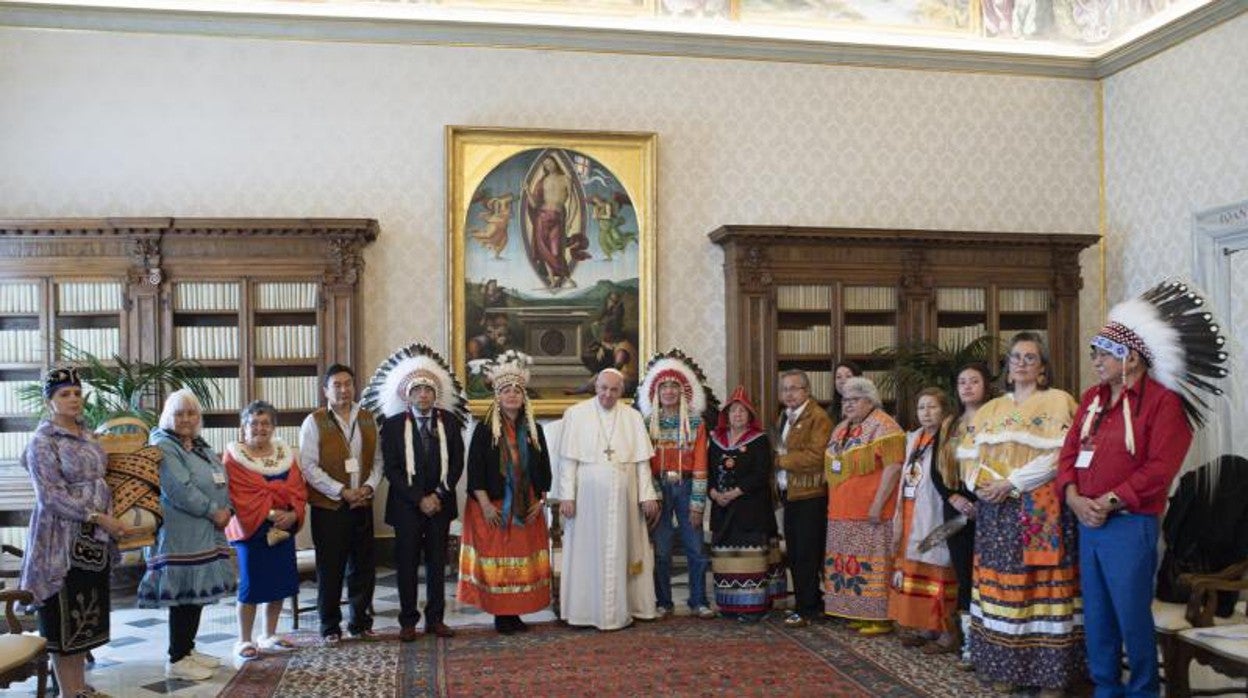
(672, 398)
(1154, 359)
(422, 448)
(605, 487)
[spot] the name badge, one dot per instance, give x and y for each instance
(353, 465)
(1084, 460)
(836, 466)
(218, 478)
(908, 492)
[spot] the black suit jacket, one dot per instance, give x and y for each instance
(483, 459)
(403, 501)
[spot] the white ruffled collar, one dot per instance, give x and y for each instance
(276, 464)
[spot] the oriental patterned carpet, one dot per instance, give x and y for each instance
(680, 657)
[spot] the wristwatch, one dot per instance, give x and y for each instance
(92, 516)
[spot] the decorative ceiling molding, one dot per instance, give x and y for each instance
(638, 39)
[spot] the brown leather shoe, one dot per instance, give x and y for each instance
(440, 629)
(408, 634)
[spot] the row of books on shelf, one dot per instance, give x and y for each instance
(1023, 300)
(959, 336)
(287, 342)
(19, 299)
(286, 296)
(218, 437)
(100, 342)
(9, 401)
(89, 297)
(960, 300)
(870, 298)
(812, 340)
(211, 296)
(289, 392)
(865, 339)
(207, 343)
(21, 346)
(805, 297)
(227, 396)
(205, 296)
(12, 443)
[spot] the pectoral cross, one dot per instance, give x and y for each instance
(609, 452)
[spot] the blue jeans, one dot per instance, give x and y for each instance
(676, 501)
(1117, 563)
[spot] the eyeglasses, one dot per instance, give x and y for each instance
(1024, 359)
(793, 389)
(1095, 354)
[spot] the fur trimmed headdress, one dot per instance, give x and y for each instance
(1173, 331)
(388, 393)
(511, 368)
(696, 395)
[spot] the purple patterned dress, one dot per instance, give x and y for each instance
(67, 561)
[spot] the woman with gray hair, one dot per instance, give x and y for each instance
(190, 565)
(268, 495)
(862, 463)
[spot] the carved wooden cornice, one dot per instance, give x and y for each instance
(145, 242)
(764, 235)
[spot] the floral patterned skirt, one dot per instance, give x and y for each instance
(857, 569)
(75, 619)
(1026, 621)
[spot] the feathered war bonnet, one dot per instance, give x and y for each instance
(696, 396)
(1176, 335)
(509, 369)
(389, 391)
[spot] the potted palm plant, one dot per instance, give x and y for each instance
(919, 365)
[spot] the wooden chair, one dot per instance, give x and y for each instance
(305, 565)
(1182, 645)
(21, 655)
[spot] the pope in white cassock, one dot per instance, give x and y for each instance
(605, 487)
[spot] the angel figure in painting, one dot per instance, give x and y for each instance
(497, 216)
(606, 211)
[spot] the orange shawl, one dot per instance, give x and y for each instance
(252, 496)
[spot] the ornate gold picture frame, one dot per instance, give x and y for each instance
(551, 238)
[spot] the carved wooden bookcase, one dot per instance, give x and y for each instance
(809, 297)
(265, 304)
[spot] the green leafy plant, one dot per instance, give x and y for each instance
(919, 365)
(125, 388)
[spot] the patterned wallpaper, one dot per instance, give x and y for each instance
(1176, 131)
(165, 125)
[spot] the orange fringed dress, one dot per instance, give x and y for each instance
(859, 556)
(505, 570)
(925, 589)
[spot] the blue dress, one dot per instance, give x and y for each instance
(266, 572)
(190, 563)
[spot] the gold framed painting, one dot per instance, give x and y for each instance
(551, 239)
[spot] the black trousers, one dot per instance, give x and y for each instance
(183, 627)
(344, 548)
(421, 537)
(962, 554)
(805, 536)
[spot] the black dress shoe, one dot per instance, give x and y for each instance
(408, 634)
(440, 630)
(521, 626)
(503, 625)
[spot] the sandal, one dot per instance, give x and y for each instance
(245, 652)
(275, 643)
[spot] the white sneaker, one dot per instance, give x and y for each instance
(205, 660)
(187, 668)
